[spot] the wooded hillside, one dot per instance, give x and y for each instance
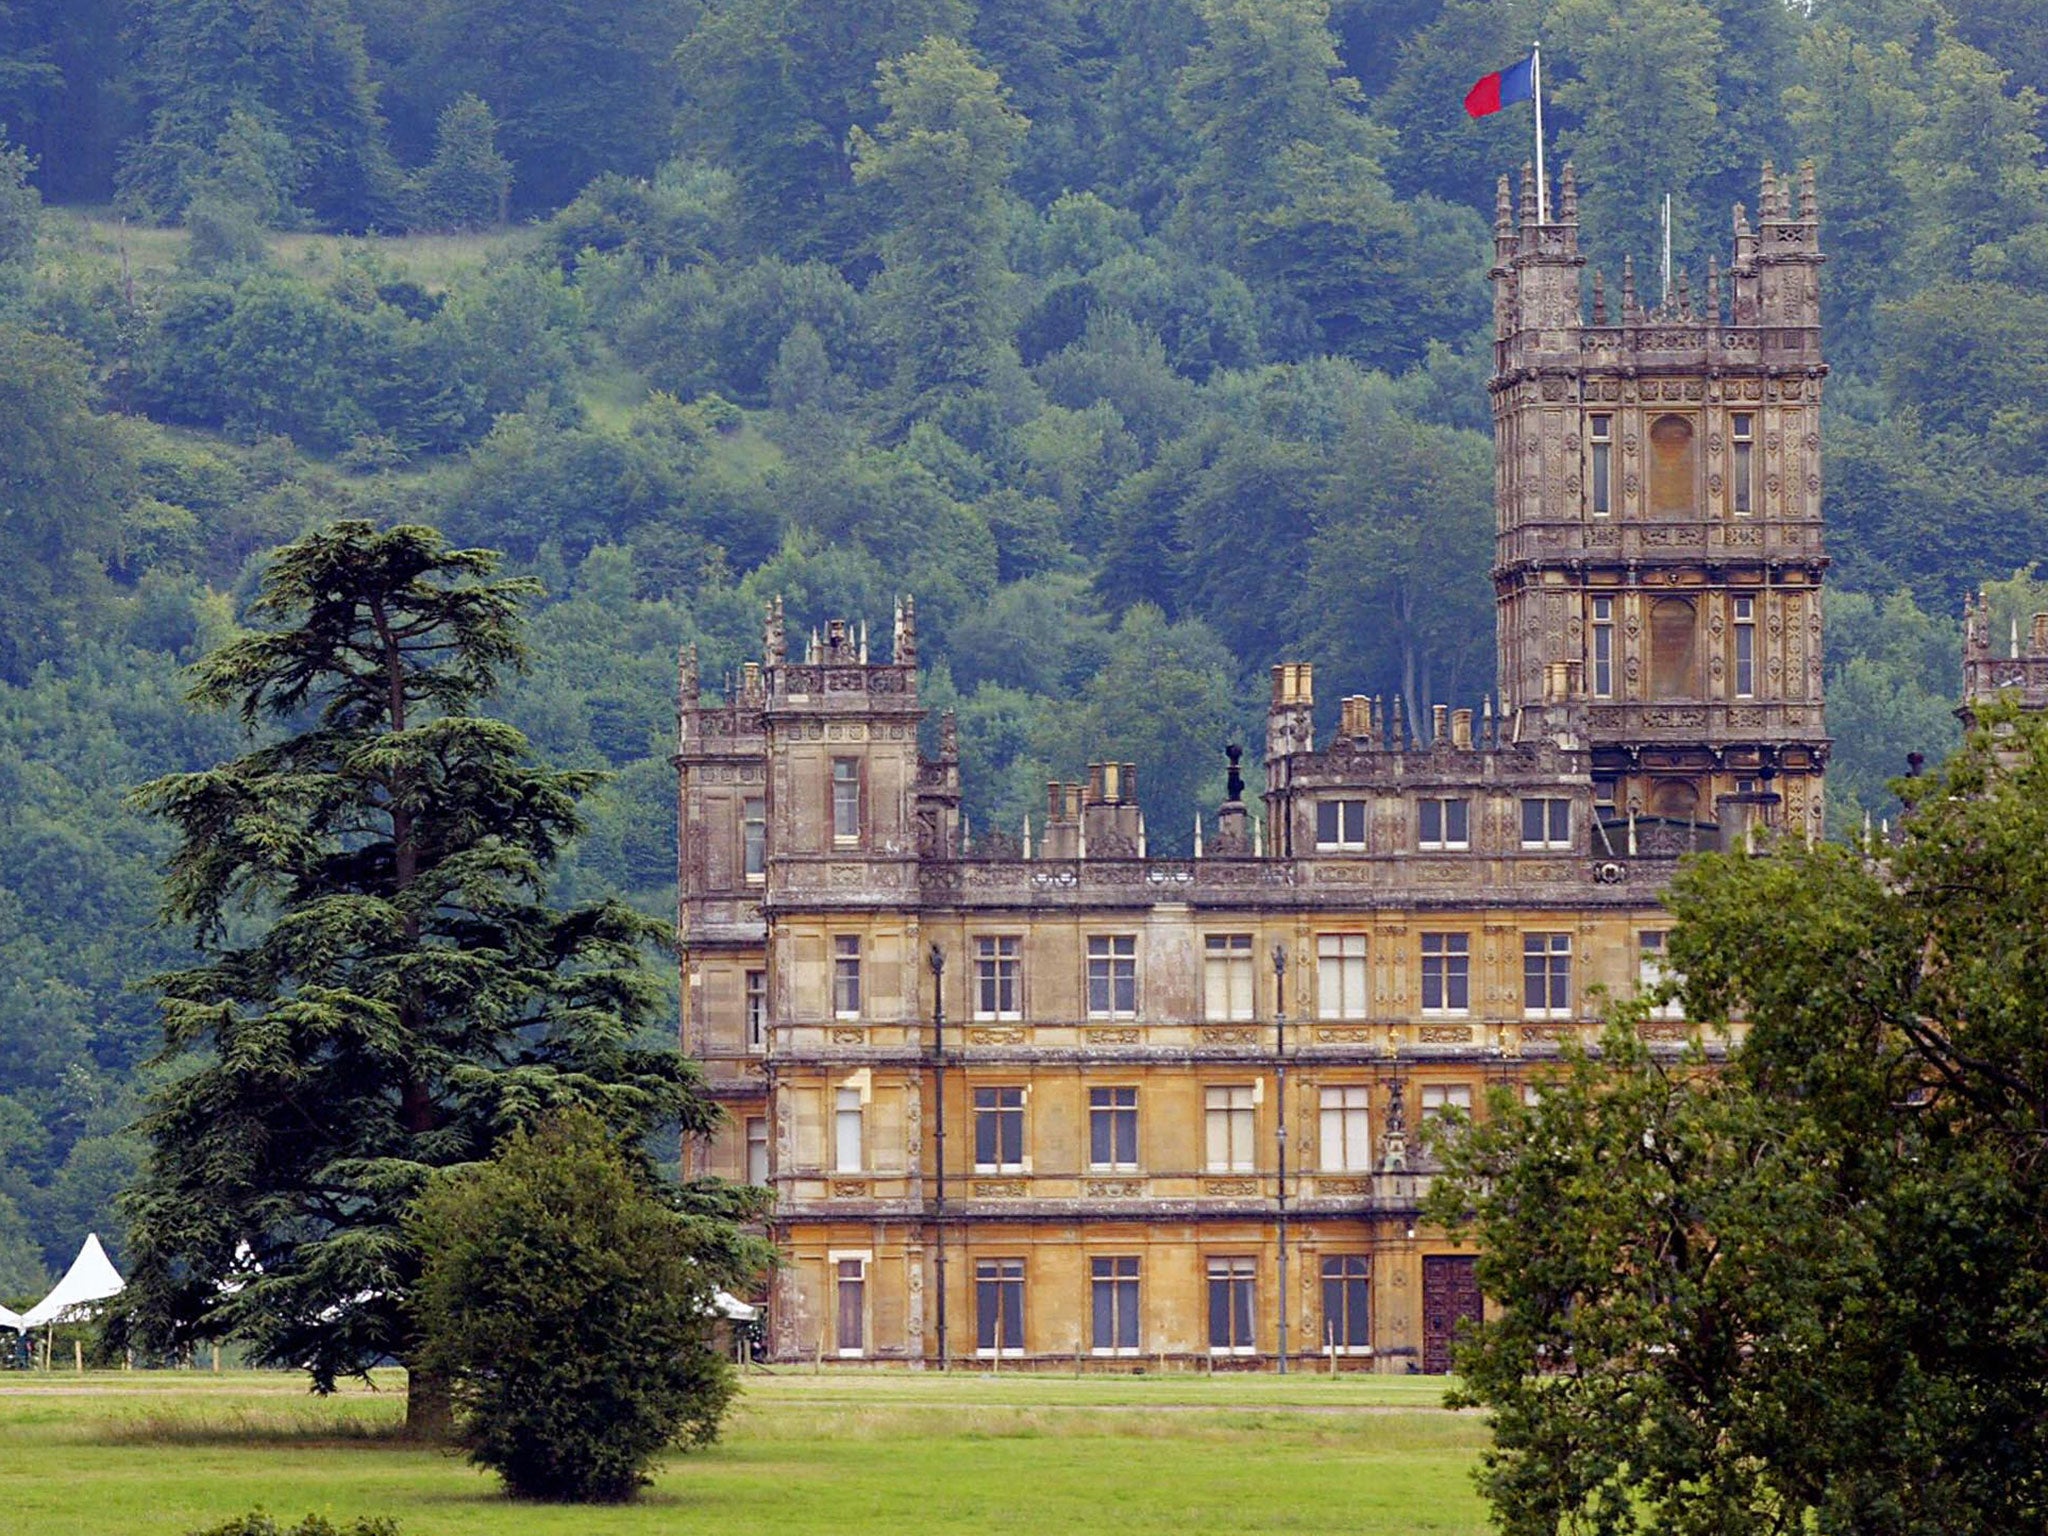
(1143, 340)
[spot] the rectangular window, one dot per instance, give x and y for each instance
(846, 1131)
(1112, 1128)
(1603, 465)
(845, 799)
(1447, 973)
(999, 1307)
(757, 1010)
(1547, 975)
(1742, 463)
(1442, 824)
(1745, 647)
(754, 837)
(1230, 1305)
(1340, 976)
(1113, 976)
(1603, 647)
(1652, 972)
(1114, 1305)
(1346, 1142)
(1546, 823)
(757, 1150)
(1228, 978)
(1347, 1303)
(1340, 824)
(853, 1306)
(1228, 1116)
(998, 1130)
(846, 975)
(997, 994)
(1440, 1098)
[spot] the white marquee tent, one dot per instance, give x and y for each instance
(10, 1320)
(90, 1278)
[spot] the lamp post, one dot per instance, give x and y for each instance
(937, 960)
(1280, 1131)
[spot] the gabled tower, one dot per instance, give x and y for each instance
(1657, 477)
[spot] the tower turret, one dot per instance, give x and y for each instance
(1659, 559)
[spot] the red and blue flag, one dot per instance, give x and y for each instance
(1504, 86)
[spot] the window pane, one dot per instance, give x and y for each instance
(846, 1120)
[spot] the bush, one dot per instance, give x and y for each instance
(571, 1309)
(257, 1523)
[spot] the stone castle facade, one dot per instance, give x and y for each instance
(1050, 1097)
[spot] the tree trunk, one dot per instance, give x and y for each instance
(429, 1406)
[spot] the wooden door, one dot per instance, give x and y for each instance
(1450, 1294)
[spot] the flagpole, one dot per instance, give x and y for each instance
(1536, 87)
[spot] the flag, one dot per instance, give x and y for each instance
(1503, 86)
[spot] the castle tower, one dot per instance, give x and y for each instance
(1658, 561)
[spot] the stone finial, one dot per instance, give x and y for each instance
(1767, 200)
(774, 637)
(1599, 298)
(1684, 294)
(1568, 195)
(1528, 192)
(687, 685)
(1741, 222)
(949, 737)
(905, 640)
(1714, 289)
(1809, 198)
(1503, 208)
(1629, 310)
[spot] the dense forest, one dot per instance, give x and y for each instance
(1143, 340)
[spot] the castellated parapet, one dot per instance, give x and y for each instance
(2015, 672)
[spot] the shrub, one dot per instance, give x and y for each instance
(257, 1523)
(571, 1309)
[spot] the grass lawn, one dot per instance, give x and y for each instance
(164, 1452)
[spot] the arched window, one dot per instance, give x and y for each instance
(1673, 466)
(1678, 799)
(1674, 650)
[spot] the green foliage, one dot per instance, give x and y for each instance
(1643, 93)
(571, 1306)
(64, 477)
(218, 73)
(940, 159)
(257, 1523)
(1800, 1292)
(381, 989)
(775, 96)
(468, 183)
(21, 206)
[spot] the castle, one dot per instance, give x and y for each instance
(1049, 1098)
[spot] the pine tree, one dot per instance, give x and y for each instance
(468, 183)
(381, 989)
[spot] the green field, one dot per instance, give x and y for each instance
(164, 1452)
